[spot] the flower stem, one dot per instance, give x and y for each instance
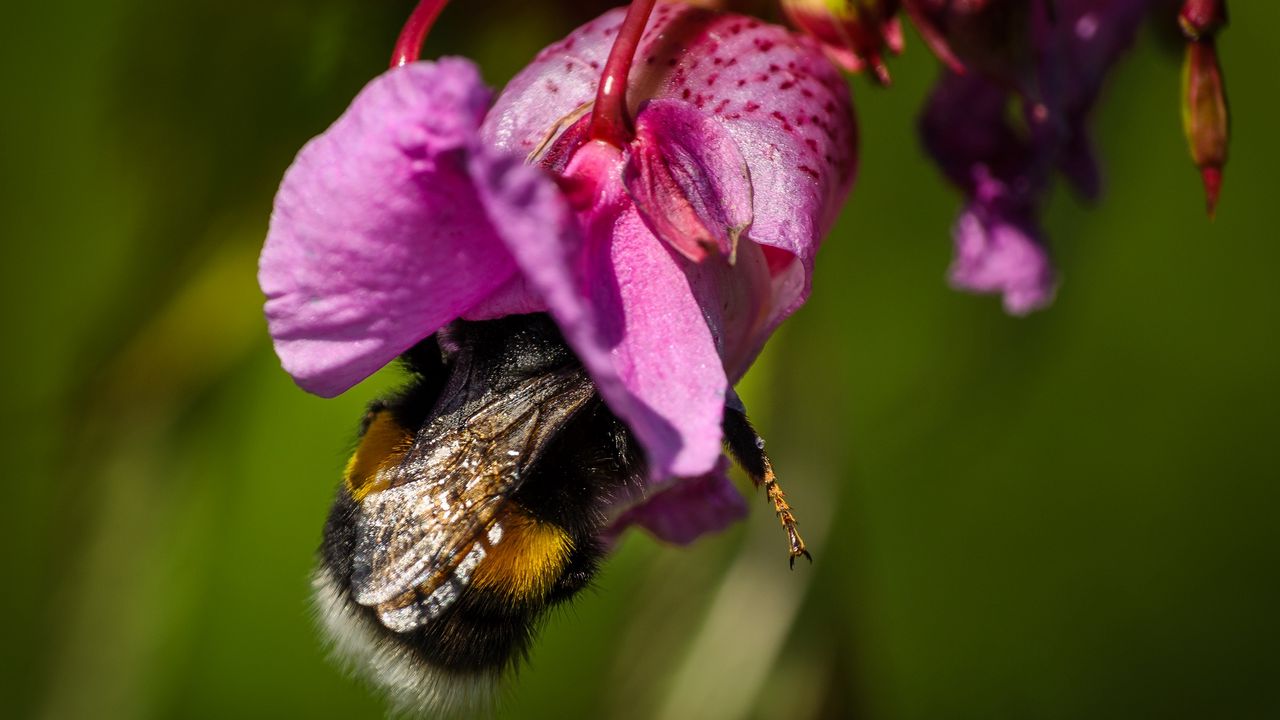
(609, 119)
(409, 44)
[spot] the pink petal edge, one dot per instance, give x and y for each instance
(378, 238)
(686, 509)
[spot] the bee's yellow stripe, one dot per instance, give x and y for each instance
(528, 560)
(524, 565)
(383, 447)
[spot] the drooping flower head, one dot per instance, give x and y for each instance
(1051, 69)
(658, 187)
(1012, 108)
(667, 251)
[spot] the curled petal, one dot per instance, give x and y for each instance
(652, 335)
(688, 509)
(688, 180)
(378, 237)
(737, 303)
(538, 227)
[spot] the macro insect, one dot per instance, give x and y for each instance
(474, 502)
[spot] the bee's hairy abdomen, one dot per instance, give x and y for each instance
(545, 552)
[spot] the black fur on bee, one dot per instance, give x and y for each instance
(471, 506)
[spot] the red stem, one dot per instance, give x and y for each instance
(409, 44)
(610, 121)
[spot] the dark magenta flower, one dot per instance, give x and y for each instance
(1005, 165)
(667, 249)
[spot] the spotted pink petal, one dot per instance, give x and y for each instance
(378, 236)
(688, 180)
(786, 107)
(688, 509)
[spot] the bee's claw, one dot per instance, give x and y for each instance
(797, 545)
(800, 553)
(748, 448)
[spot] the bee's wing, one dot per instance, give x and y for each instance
(418, 541)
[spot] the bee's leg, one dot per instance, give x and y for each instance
(747, 447)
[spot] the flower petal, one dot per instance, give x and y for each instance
(965, 124)
(378, 237)
(998, 246)
(1078, 49)
(623, 300)
(737, 303)
(688, 509)
(539, 229)
(688, 180)
(1001, 254)
(671, 379)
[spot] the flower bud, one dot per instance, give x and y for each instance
(1204, 115)
(854, 33)
(1199, 18)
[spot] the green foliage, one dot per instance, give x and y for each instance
(1070, 515)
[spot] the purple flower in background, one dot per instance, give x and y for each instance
(667, 249)
(1005, 167)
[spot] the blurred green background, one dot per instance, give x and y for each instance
(1065, 516)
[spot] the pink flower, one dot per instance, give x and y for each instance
(666, 258)
(1053, 65)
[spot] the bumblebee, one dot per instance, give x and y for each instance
(473, 504)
